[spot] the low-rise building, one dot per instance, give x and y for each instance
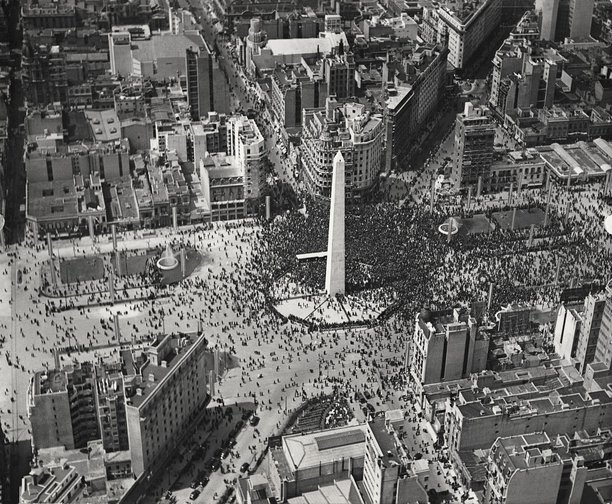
(304, 462)
(523, 169)
(475, 423)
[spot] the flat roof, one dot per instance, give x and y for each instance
(50, 382)
(167, 45)
(581, 158)
(104, 124)
(309, 450)
(300, 46)
(152, 375)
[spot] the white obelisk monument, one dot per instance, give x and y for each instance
(334, 276)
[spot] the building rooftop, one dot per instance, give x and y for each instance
(52, 381)
(123, 205)
(592, 159)
(104, 124)
(309, 450)
(167, 45)
(322, 45)
(60, 199)
(462, 10)
(156, 362)
(221, 166)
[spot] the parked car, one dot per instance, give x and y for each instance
(254, 420)
(244, 467)
(194, 495)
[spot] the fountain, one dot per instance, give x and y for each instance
(167, 261)
(450, 226)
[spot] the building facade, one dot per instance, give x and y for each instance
(165, 388)
(62, 408)
(463, 27)
(347, 128)
(474, 140)
(446, 346)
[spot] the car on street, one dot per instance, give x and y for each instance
(244, 467)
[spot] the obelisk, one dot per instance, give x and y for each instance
(334, 276)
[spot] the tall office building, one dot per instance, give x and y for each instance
(565, 18)
(247, 145)
(603, 348)
(581, 17)
(200, 83)
(340, 75)
(255, 40)
(411, 102)
(446, 345)
(567, 330)
(590, 329)
(474, 140)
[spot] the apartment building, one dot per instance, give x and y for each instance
(387, 477)
(446, 345)
(165, 389)
(461, 25)
(476, 422)
(564, 469)
(413, 97)
(62, 407)
(350, 129)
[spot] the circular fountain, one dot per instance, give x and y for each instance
(450, 226)
(167, 261)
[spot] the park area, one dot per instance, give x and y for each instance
(91, 268)
(138, 264)
(480, 223)
(525, 218)
(81, 269)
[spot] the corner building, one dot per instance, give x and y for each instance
(350, 129)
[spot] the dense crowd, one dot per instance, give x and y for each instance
(398, 250)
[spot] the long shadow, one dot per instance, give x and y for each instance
(212, 445)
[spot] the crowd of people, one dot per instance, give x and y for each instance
(398, 248)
